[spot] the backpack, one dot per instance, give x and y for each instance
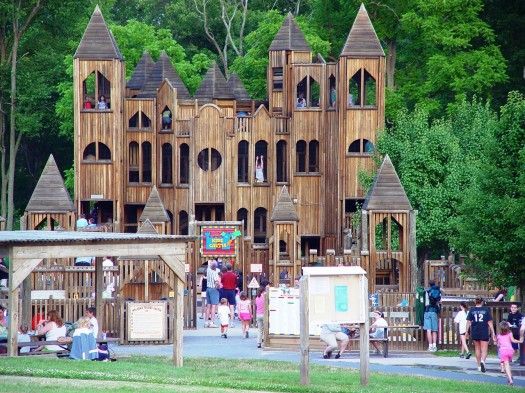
(434, 296)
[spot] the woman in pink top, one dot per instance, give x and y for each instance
(260, 304)
(505, 350)
(245, 313)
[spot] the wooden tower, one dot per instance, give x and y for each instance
(388, 233)
(155, 214)
(50, 206)
(285, 243)
(98, 70)
(361, 98)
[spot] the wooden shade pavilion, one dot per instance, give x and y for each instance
(26, 249)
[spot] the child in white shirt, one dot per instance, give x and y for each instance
(223, 311)
(461, 320)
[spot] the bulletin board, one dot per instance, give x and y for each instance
(336, 295)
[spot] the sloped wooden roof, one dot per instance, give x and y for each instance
(237, 87)
(387, 192)
(50, 194)
(362, 39)
(214, 86)
(284, 209)
(163, 69)
(290, 37)
(141, 72)
(97, 41)
(147, 228)
(154, 209)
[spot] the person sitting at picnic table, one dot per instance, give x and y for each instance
(84, 344)
(332, 334)
(377, 329)
(53, 327)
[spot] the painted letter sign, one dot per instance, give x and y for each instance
(218, 241)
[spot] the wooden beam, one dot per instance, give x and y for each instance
(176, 263)
(21, 269)
(179, 323)
(364, 343)
(26, 312)
(304, 318)
(99, 288)
(12, 308)
(137, 249)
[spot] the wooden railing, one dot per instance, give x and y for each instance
(243, 124)
(280, 125)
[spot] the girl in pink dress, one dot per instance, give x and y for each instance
(505, 350)
(245, 313)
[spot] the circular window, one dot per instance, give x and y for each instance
(209, 159)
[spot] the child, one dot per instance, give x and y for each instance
(245, 313)
(23, 337)
(505, 350)
(223, 311)
(461, 319)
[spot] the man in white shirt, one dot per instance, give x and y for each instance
(91, 314)
(212, 293)
(82, 222)
(377, 329)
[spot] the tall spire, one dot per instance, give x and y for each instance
(141, 72)
(387, 192)
(50, 194)
(290, 37)
(163, 69)
(362, 39)
(214, 85)
(154, 209)
(97, 41)
(284, 209)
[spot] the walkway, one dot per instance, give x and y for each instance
(206, 342)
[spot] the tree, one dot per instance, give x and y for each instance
(490, 221)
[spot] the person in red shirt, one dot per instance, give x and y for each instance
(229, 286)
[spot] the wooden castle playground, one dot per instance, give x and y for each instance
(267, 186)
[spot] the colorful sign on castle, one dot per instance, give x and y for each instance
(219, 241)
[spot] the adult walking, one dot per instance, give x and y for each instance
(212, 293)
(432, 310)
(229, 285)
(332, 334)
(481, 328)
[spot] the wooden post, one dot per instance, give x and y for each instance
(364, 343)
(12, 309)
(179, 323)
(26, 312)
(305, 331)
(414, 274)
(364, 230)
(146, 280)
(99, 288)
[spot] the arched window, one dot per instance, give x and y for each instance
(308, 93)
(242, 215)
(184, 164)
(300, 149)
(133, 162)
(183, 223)
(96, 152)
(96, 90)
(259, 225)
(134, 121)
(139, 121)
(354, 90)
(242, 161)
(381, 231)
(282, 167)
(146, 162)
(167, 164)
(313, 156)
(166, 118)
(145, 121)
(369, 91)
(332, 92)
(355, 146)
(361, 147)
(396, 235)
(261, 162)
(283, 248)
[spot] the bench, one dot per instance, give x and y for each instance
(61, 353)
(383, 340)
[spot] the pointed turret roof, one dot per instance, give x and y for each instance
(387, 192)
(237, 87)
(141, 72)
(362, 39)
(214, 85)
(154, 209)
(97, 41)
(290, 37)
(50, 194)
(284, 209)
(147, 228)
(163, 69)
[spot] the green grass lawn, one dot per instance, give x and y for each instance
(493, 352)
(205, 375)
